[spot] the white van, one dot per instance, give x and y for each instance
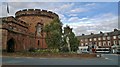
(82, 49)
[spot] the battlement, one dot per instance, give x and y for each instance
(36, 12)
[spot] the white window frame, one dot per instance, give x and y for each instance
(100, 43)
(108, 38)
(104, 43)
(114, 37)
(109, 43)
(82, 44)
(86, 43)
(99, 38)
(95, 39)
(104, 38)
(115, 42)
(90, 39)
(81, 40)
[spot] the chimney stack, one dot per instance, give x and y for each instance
(101, 32)
(115, 30)
(92, 33)
(83, 34)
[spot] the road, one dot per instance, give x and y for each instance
(106, 59)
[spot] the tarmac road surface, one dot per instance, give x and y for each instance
(106, 59)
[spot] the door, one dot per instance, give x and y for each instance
(11, 45)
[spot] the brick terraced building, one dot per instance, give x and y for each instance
(107, 39)
(24, 31)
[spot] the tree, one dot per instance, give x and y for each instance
(54, 34)
(74, 42)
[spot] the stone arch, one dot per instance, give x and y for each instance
(11, 45)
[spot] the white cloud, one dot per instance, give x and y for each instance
(73, 15)
(65, 6)
(78, 10)
(62, 17)
(73, 19)
(15, 6)
(105, 22)
(77, 19)
(90, 4)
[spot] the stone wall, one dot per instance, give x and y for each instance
(22, 29)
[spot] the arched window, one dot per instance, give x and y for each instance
(38, 42)
(38, 28)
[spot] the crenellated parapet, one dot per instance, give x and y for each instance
(36, 12)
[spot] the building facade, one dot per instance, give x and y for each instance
(25, 30)
(107, 39)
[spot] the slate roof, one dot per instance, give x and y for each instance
(115, 32)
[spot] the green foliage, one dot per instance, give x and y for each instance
(54, 32)
(54, 37)
(74, 43)
(47, 51)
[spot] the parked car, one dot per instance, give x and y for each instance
(83, 49)
(116, 51)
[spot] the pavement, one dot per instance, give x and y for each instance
(106, 59)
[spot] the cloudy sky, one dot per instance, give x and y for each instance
(83, 17)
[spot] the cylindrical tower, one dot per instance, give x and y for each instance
(36, 19)
(33, 16)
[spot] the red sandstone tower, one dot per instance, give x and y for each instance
(29, 25)
(36, 19)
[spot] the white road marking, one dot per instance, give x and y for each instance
(28, 57)
(108, 58)
(42, 58)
